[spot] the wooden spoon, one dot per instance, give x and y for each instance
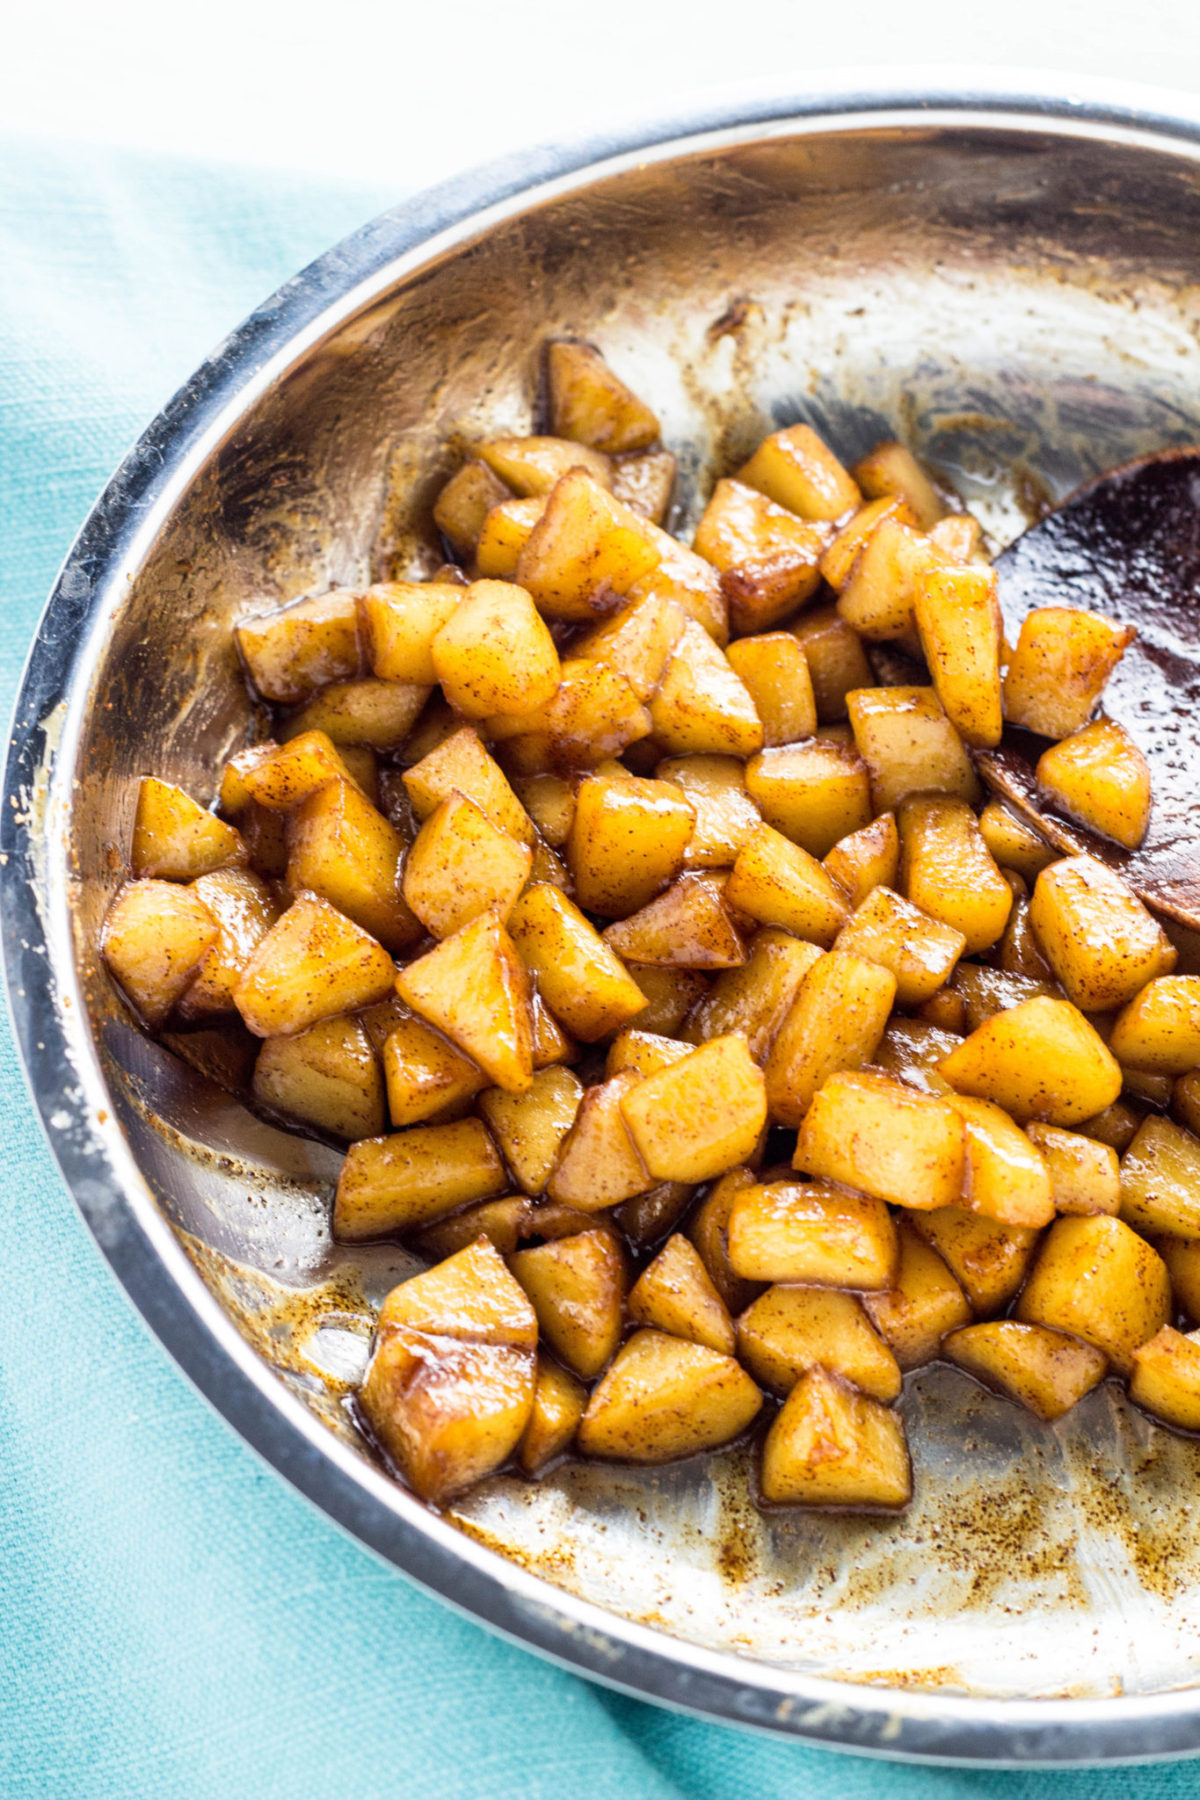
(1127, 545)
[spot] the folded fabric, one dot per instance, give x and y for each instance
(175, 1623)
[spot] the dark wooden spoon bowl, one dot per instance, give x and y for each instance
(1127, 545)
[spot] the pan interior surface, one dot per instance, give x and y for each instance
(1018, 300)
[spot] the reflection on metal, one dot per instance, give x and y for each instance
(1013, 287)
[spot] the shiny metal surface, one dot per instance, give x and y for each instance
(1012, 283)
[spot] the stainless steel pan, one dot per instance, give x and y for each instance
(1012, 283)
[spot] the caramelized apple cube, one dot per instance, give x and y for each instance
(768, 559)
(245, 910)
(1040, 1060)
(1098, 1280)
(920, 951)
(948, 871)
(559, 1403)
(670, 995)
(1166, 1378)
(533, 465)
(755, 999)
(802, 1231)
(832, 1446)
(866, 859)
(175, 839)
(530, 1127)
(154, 939)
(835, 1022)
(675, 1294)
(1059, 668)
(461, 865)
(702, 705)
(1160, 1179)
(627, 842)
(475, 988)
(664, 1398)
(327, 1077)
(1041, 1369)
(689, 926)
(340, 847)
(396, 1183)
(789, 1330)
(815, 793)
(1099, 777)
(368, 712)
(837, 662)
(701, 1116)
(462, 506)
(1013, 843)
(579, 977)
(577, 1287)
(883, 1138)
(426, 1076)
(584, 546)
(461, 765)
(957, 616)
(878, 598)
(923, 1304)
(1159, 1029)
(506, 531)
(636, 642)
(1006, 1178)
(1099, 939)
(715, 788)
(797, 470)
(1084, 1174)
(311, 965)
(891, 470)
(909, 745)
(592, 405)
(494, 654)
(598, 1164)
(292, 652)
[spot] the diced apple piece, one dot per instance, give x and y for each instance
(789, 1330)
(645, 1051)
(245, 910)
(327, 1077)
(401, 620)
(294, 771)
(462, 865)
(1115, 1125)
(591, 405)
(957, 616)
(1019, 952)
(627, 842)
(1040, 1060)
(777, 883)
(577, 1286)
(878, 597)
(920, 951)
(1159, 1029)
(475, 988)
(594, 715)
(1039, 1368)
(397, 1183)
(292, 652)
(530, 1128)
(598, 1164)
(675, 1294)
(1100, 940)
(447, 1414)
(1099, 777)
(462, 506)
(689, 926)
(1166, 1378)
(839, 559)
(637, 642)
(579, 977)
(688, 582)
(959, 536)
(837, 662)
(986, 992)
(1160, 1179)
(664, 1398)
(946, 1011)
(647, 1218)
(646, 483)
(341, 847)
(471, 1296)
(550, 802)
(909, 745)
(815, 793)
(911, 1049)
(923, 1304)
(701, 705)
(1182, 1258)
(832, 1446)
(311, 965)
(1098, 1280)
(883, 1138)
(701, 1116)
(425, 1075)
(559, 1402)
(891, 469)
(835, 1022)
(866, 859)
(532, 465)
(670, 994)
(368, 713)
(1060, 665)
(584, 546)
(755, 999)
(1084, 1175)
(1013, 843)
(495, 654)
(801, 1231)
(715, 788)
(708, 1229)
(1006, 1178)
(175, 839)
(987, 1259)
(775, 672)
(154, 939)
(506, 531)
(768, 559)
(461, 764)
(948, 871)
(796, 469)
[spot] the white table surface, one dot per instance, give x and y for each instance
(408, 92)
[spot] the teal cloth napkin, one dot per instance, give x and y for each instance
(175, 1622)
